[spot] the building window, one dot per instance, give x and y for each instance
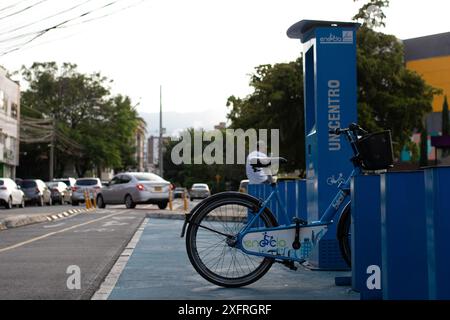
(14, 109)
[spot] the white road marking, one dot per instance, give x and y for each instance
(113, 223)
(94, 230)
(55, 225)
(20, 244)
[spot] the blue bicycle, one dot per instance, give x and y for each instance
(232, 239)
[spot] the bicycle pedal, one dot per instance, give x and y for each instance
(290, 265)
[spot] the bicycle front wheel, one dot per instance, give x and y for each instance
(210, 241)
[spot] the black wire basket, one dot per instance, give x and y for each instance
(375, 151)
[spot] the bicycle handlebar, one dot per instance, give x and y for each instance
(353, 127)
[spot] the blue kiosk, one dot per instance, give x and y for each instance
(330, 88)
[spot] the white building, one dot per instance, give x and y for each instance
(9, 125)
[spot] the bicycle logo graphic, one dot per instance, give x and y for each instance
(268, 240)
(332, 180)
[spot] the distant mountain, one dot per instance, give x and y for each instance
(175, 122)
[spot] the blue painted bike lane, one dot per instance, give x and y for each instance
(159, 269)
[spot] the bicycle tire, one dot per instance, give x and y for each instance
(220, 200)
(344, 235)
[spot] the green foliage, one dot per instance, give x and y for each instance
(389, 95)
(371, 13)
(85, 112)
(186, 175)
(275, 103)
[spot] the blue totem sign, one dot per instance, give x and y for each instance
(329, 67)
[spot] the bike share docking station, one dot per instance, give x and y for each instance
(330, 88)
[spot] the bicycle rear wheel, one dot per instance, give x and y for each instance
(210, 241)
(344, 235)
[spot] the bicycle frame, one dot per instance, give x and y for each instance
(314, 230)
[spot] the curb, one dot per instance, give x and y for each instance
(180, 215)
(166, 215)
(23, 220)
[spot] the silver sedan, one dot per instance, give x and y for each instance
(132, 188)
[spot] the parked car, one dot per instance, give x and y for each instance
(132, 188)
(199, 191)
(243, 186)
(70, 182)
(18, 181)
(91, 185)
(10, 194)
(36, 191)
(179, 192)
(60, 192)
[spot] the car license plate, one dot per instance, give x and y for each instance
(158, 189)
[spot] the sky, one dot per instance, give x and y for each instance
(200, 51)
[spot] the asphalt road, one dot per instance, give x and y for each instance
(38, 261)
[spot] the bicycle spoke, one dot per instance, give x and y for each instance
(215, 256)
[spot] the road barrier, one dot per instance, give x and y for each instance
(170, 200)
(87, 200)
(185, 202)
(94, 199)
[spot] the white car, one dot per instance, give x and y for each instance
(90, 185)
(132, 188)
(199, 191)
(10, 194)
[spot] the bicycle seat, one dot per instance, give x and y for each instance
(267, 162)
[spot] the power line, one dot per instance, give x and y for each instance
(12, 5)
(106, 15)
(65, 27)
(40, 33)
(37, 130)
(46, 18)
(23, 10)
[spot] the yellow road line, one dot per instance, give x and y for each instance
(20, 244)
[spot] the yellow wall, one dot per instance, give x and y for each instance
(436, 72)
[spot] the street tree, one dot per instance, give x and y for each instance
(275, 103)
(93, 129)
(389, 95)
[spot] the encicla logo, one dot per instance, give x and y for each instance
(347, 37)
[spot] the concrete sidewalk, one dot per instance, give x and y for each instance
(9, 219)
(159, 268)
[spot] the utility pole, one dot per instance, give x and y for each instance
(160, 147)
(52, 152)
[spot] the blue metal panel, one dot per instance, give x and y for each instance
(282, 185)
(403, 236)
(292, 199)
(301, 200)
(437, 185)
(365, 233)
(292, 193)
